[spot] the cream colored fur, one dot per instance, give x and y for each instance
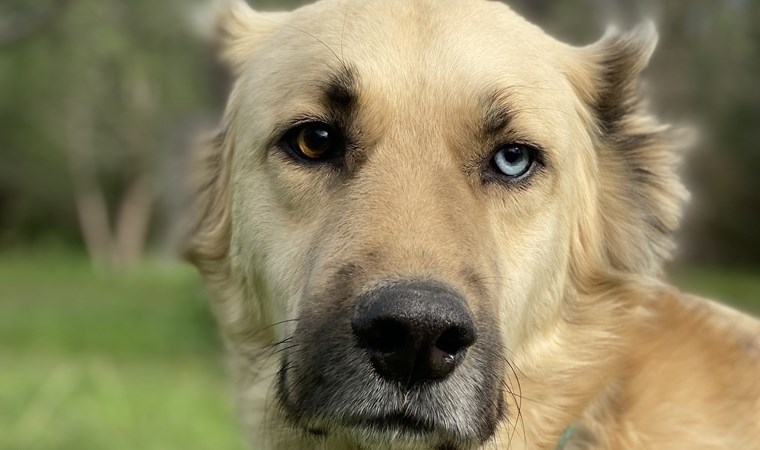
(597, 340)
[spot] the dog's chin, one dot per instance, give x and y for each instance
(394, 430)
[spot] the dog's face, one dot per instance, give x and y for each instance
(405, 191)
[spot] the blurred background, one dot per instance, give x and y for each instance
(105, 338)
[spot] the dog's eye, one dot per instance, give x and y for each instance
(513, 160)
(313, 141)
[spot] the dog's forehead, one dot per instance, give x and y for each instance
(397, 40)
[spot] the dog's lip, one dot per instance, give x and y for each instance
(396, 421)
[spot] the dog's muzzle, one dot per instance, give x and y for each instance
(405, 361)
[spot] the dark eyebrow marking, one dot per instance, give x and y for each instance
(340, 89)
(496, 114)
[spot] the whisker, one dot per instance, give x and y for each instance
(343, 35)
(285, 348)
(287, 339)
(272, 325)
(340, 60)
(519, 403)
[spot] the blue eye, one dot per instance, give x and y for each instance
(513, 160)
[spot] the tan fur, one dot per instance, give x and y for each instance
(565, 269)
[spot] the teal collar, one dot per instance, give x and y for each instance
(563, 440)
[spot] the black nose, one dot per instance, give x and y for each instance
(413, 331)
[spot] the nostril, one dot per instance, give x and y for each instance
(385, 336)
(454, 340)
(448, 351)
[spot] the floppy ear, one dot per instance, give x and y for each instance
(641, 196)
(208, 246)
(239, 29)
(209, 243)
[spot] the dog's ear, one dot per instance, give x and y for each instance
(210, 234)
(239, 29)
(641, 196)
(208, 246)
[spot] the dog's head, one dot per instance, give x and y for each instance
(404, 193)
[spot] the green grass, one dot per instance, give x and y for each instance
(110, 362)
(737, 287)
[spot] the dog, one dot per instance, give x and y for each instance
(426, 224)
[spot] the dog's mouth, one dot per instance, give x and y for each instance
(419, 424)
(396, 427)
(398, 423)
(395, 423)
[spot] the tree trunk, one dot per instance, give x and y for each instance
(132, 221)
(92, 212)
(91, 204)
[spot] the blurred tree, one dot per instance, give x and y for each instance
(98, 95)
(708, 71)
(20, 26)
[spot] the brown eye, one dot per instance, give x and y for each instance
(313, 141)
